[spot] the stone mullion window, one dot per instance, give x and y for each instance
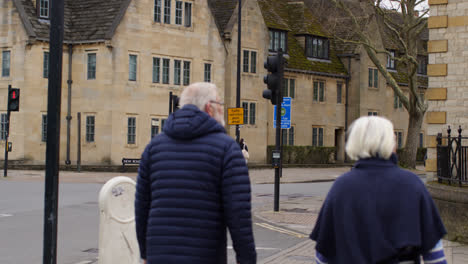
(92, 66)
(45, 66)
(252, 113)
(178, 13)
(186, 72)
(421, 140)
(317, 47)
(132, 68)
(291, 136)
(422, 65)
(339, 93)
(3, 126)
(6, 63)
(90, 128)
(44, 128)
(157, 10)
(156, 70)
(253, 62)
(177, 69)
(373, 78)
(167, 11)
(399, 139)
(165, 70)
(317, 136)
(319, 91)
(207, 75)
(188, 14)
(278, 40)
(131, 130)
(245, 64)
(245, 105)
(154, 127)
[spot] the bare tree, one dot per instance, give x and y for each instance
(403, 21)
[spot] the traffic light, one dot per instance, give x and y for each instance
(13, 99)
(274, 80)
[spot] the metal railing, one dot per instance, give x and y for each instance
(452, 158)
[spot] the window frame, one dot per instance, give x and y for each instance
(188, 14)
(373, 78)
(207, 72)
(130, 70)
(177, 71)
(186, 73)
(399, 138)
(276, 39)
(156, 78)
(6, 63)
(157, 11)
(391, 60)
(46, 9)
(166, 69)
(45, 66)
(245, 61)
(252, 113)
(178, 12)
(372, 113)
(131, 130)
(245, 106)
(318, 93)
(397, 104)
(160, 123)
(317, 136)
(44, 128)
(421, 140)
(89, 66)
(167, 12)
(90, 128)
(316, 51)
(339, 92)
(3, 126)
(422, 65)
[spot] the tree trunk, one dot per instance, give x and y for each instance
(408, 156)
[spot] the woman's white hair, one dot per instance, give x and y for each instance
(370, 136)
(198, 94)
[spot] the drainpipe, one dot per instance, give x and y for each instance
(69, 117)
(347, 96)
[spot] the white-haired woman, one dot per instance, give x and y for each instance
(377, 213)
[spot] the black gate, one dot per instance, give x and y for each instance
(452, 158)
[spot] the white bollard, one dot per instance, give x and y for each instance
(117, 235)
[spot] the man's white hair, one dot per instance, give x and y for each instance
(198, 94)
(370, 136)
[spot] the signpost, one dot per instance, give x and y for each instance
(285, 114)
(236, 116)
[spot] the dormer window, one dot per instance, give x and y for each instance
(43, 8)
(278, 40)
(317, 47)
(391, 60)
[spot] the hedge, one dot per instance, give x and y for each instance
(304, 154)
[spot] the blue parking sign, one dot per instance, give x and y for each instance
(285, 113)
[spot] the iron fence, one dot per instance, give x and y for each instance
(452, 158)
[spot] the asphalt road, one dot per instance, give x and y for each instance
(21, 221)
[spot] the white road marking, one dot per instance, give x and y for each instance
(5, 215)
(281, 230)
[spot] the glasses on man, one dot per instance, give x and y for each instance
(216, 102)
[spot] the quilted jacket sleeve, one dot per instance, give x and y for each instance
(142, 201)
(237, 204)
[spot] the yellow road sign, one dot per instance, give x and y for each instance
(235, 116)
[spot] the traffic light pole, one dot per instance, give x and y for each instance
(53, 133)
(278, 149)
(5, 165)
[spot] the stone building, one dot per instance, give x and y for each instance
(122, 58)
(448, 71)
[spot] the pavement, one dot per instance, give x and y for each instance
(297, 215)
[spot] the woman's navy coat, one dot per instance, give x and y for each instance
(375, 210)
(193, 183)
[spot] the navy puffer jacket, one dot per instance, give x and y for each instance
(193, 183)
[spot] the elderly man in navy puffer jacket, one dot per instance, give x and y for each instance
(192, 183)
